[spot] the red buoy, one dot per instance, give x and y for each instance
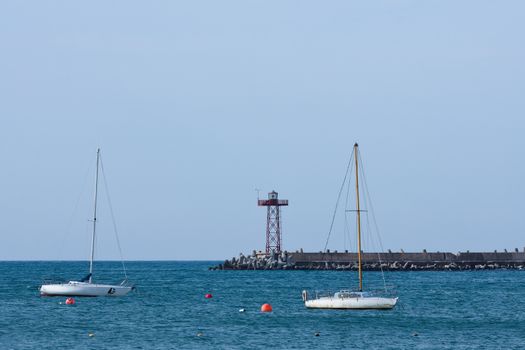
(266, 308)
(208, 296)
(70, 301)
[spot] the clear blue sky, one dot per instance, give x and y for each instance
(196, 103)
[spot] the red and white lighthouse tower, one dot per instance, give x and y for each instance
(273, 221)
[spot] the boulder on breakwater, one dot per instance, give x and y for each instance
(391, 261)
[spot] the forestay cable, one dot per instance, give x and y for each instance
(338, 198)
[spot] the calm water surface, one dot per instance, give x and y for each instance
(460, 310)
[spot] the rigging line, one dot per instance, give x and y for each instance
(67, 232)
(366, 228)
(338, 198)
(112, 217)
(87, 234)
(370, 205)
(356, 244)
(369, 227)
(346, 231)
(368, 202)
(346, 227)
(347, 234)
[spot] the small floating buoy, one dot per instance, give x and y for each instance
(415, 334)
(199, 334)
(317, 334)
(91, 334)
(208, 296)
(70, 301)
(242, 310)
(266, 308)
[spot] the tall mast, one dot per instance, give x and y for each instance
(358, 219)
(94, 220)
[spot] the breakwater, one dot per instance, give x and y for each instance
(394, 261)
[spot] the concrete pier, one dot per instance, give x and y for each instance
(394, 261)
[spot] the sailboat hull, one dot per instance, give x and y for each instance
(361, 303)
(82, 289)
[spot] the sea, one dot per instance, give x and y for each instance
(168, 309)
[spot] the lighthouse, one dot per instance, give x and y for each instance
(274, 236)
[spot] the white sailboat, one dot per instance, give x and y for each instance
(85, 287)
(346, 299)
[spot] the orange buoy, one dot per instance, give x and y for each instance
(266, 308)
(208, 296)
(70, 301)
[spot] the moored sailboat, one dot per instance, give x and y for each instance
(85, 287)
(346, 299)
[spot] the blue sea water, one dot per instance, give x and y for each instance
(437, 310)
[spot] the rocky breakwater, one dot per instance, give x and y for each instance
(393, 261)
(257, 261)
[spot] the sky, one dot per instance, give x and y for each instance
(195, 104)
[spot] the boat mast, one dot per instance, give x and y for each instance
(94, 220)
(358, 219)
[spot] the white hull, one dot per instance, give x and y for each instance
(351, 303)
(83, 289)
